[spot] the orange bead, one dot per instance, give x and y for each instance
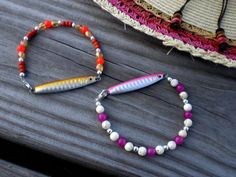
(21, 48)
(84, 29)
(100, 60)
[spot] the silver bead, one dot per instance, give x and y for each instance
(185, 101)
(25, 38)
(135, 148)
(98, 50)
(186, 128)
(169, 79)
(98, 103)
(109, 131)
(92, 38)
(20, 59)
(36, 28)
(99, 72)
(59, 22)
(22, 74)
(166, 148)
(73, 25)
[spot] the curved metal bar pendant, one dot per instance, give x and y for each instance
(65, 84)
(135, 84)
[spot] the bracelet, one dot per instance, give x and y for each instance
(65, 84)
(136, 84)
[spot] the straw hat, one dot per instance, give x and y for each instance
(204, 28)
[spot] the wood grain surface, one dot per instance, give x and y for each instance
(10, 170)
(65, 124)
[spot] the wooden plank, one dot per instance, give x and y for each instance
(8, 169)
(65, 124)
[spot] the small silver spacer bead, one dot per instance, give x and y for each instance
(169, 79)
(98, 50)
(99, 72)
(73, 25)
(186, 128)
(109, 131)
(36, 28)
(25, 38)
(135, 148)
(166, 148)
(20, 59)
(22, 74)
(185, 101)
(98, 103)
(92, 38)
(59, 22)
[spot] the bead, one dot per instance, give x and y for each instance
(159, 150)
(21, 66)
(48, 24)
(98, 50)
(42, 26)
(180, 88)
(187, 107)
(121, 142)
(135, 148)
(92, 38)
(174, 82)
(66, 23)
(99, 72)
(24, 43)
(20, 59)
(102, 117)
(25, 38)
(171, 145)
(55, 24)
(142, 151)
(179, 140)
(185, 101)
(100, 60)
(88, 34)
(166, 148)
(183, 95)
(182, 133)
(98, 103)
(169, 79)
(59, 22)
(21, 54)
(84, 29)
(186, 128)
(188, 122)
(99, 54)
(106, 124)
(129, 146)
(109, 131)
(188, 115)
(22, 74)
(114, 136)
(100, 109)
(21, 48)
(73, 25)
(31, 34)
(99, 67)
(36, 28)
(151, 152)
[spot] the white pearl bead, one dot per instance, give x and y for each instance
(129, 146)
(22, 74)
(106, 124)
(183, 95)
(187, 107)
(142, 151)
(171, 145)
(114, 136)
(20, 59)
(159, 150)
(188, 122)
(174, 82)
(100, 109)
(182, 133)
(26, 38)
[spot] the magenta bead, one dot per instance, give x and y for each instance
(102, 117)
(121, 142)
(180, 88)
(151, 152)
(179, 140)
(188, 115)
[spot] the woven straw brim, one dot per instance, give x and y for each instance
(202, 13)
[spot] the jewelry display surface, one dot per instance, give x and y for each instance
(65, 124)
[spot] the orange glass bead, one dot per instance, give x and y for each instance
(21, 48)
(100, 60)
(48, 24)
(84, 29)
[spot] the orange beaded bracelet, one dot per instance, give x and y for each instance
(65, 84)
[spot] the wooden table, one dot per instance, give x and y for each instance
(65, 124)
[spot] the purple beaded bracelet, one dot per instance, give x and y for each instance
(136, 84)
